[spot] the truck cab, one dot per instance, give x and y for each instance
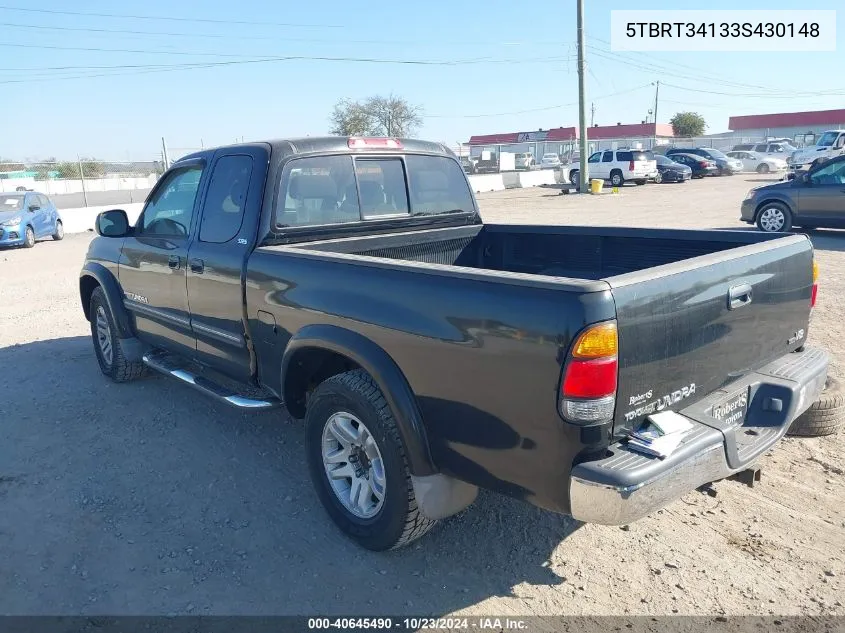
(830, 145)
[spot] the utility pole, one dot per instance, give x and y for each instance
(164, 156)
(584, 175)
(82, 178)
(656, 93)
(592, 114)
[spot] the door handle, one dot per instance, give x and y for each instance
(739, 296)
(197, 265)
(174, 262)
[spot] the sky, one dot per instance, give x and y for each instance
(208, 73)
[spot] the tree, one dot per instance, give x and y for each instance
(376, 116)
(688, 124)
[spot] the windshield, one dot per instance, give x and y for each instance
(11, 202)
(828, 139)
(714, 153)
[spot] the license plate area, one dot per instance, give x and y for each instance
(733, 409)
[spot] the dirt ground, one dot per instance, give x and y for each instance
(148, 498)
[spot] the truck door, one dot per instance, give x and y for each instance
(217, 258)
(153, 261)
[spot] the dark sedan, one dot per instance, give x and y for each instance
(724, 164)
(699, 165)
(670, 171)
(815, 198)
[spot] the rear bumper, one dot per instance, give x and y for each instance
(626, 486)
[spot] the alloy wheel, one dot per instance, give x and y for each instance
(772, 219)
(104, 335)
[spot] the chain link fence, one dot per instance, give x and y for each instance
(84, 182)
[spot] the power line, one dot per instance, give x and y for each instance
(170, 18)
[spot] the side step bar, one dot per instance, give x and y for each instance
(210, 388)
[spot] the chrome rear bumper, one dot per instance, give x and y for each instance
(626, 485)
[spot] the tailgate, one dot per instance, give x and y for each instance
(682, 337)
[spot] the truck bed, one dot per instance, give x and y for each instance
(588, 253)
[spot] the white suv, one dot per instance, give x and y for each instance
(621, 166)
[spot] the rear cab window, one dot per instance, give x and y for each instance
(339, 189)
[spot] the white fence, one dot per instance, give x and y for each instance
(58, 187)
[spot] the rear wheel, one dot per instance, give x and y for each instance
(763, 169)
(357, 463)
(658, 178)
(616, 178)
(60, 231)
(575, 179)
(29, 238)
(774, 217)
(825, 416)
(106, 344)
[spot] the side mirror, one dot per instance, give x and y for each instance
(112, 223)
(805, 178)
(790, 176)
(33, 208)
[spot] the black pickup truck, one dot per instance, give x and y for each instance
(431, 354)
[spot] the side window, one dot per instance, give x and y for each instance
(840, 142)
(168, 213)
(607, 157)
(319, 190)
(594, 158)
(381, 187)
(760, 148)
(43, 201)
(223, 211)
(831, 174)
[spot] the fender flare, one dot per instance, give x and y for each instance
(113, 293)
(769, 200)
(387, 375)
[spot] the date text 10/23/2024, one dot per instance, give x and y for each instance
(480, 623)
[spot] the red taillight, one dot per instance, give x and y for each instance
(590, 378)
(702, 164)
(358, 142)
(815, 285)
(588, 386)
(631, 166)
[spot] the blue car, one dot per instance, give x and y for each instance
(27, 216)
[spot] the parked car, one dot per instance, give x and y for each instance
(830, 145)
(752, 161)
(671, 171)
(699, 165)
(724, 165)
(486, 162)
(773, 149)
(524, 160)
(621, 166)
(469, 164)
(815, 198)
(336, 275)
(550, 160)
(26, 217)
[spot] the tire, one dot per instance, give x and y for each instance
(106, 345)
(616, 178)
(763, 169)
(352, 400)
(60, 231)
(29, 238)
(658, 178)
(825, 416)
(774, 217)
(575, 179)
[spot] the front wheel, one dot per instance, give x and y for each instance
(616, 179)
(763, 169)
(658, 178)
(575, 179)
(59, 232)
(357, 463)
(29, 238)
(106, 344)
(774, 217)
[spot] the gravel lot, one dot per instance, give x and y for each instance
(148, 498)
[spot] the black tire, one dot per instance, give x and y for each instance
(616, 178)
(118, 368)
(575, 179)
(60, 231)
(659, 178)
(399, 520)
(775, 206)
(29, 238)
(825, 416)
(763, 169)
